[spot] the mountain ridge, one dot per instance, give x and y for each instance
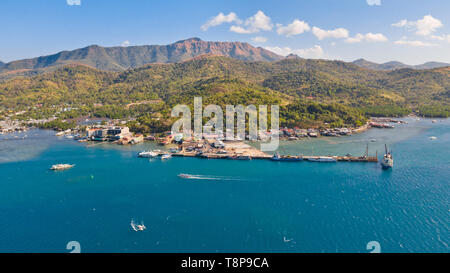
(393, 65)
(120, 58)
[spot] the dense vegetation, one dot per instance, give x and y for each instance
(310, 92)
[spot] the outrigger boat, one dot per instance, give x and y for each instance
(60, 167)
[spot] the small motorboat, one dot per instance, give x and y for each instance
(432, 138)
(60, 167)
(138, 227)
(183, 175)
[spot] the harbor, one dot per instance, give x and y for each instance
(239, 150)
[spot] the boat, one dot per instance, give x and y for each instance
(59, 167)
(183, 175)
(388, 161)
(148, 154)
(240, 157)
(322, 159)
(278, 157)
(166, 156)
(138, 227)
(432, 138)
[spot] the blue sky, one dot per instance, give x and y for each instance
(411, 31)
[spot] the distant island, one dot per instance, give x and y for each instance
(139, 85)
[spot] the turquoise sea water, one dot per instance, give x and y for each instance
(250, 206)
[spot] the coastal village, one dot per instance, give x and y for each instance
(212, 146)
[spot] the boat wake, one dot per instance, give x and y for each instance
(207, 177)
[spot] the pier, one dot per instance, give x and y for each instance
(240, 150)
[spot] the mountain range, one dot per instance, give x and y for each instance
(122, 58)
(397, 65)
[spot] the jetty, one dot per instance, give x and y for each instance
(213, 149)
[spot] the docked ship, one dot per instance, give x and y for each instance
(59, 167)
(388, 160)
(322, 159)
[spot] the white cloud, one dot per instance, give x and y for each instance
(73, 2)
(373, 2)
(125, 43)
(256, 23)
(368, 37)
(314, 52)
(294, 28)
(259, 39)
(240, 30)
(413, 43)
(220, 19)
(401, 23)
(336, 33)
(441, 37)
(425, 26)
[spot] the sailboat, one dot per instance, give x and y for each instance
(388, 160)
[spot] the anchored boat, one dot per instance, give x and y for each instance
(388, 160)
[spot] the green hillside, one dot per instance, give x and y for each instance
(309, 91)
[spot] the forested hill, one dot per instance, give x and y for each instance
(349, 90)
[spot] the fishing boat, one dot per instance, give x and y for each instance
(322, 159)
(59, 167)
(137, 227)
(148, 154)
(388, 160)
(166, 156)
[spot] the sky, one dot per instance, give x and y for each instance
(410, 31)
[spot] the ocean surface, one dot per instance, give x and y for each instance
(233, 206)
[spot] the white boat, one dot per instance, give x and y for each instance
(137, 227)
(183, 175)
(322, 159)
(388, 161)
(432, 138)
(148, 154)
(59, 167)
(166, 156)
